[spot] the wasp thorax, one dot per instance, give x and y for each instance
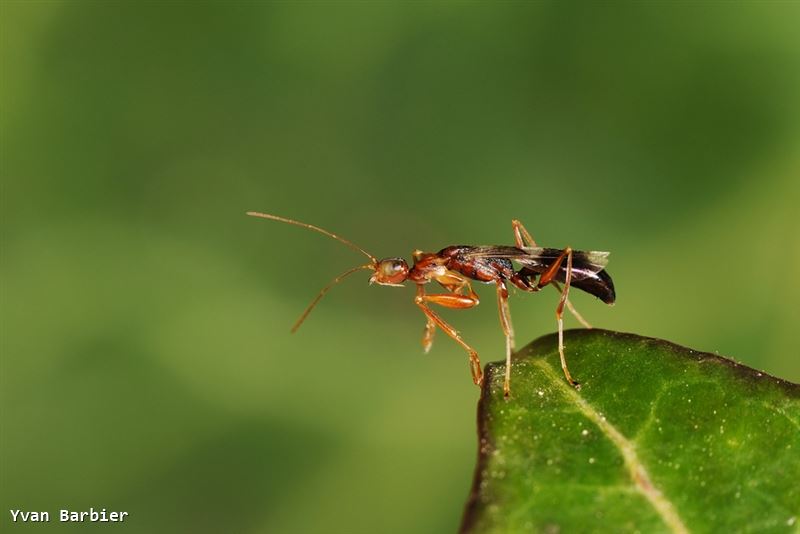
(391, 271)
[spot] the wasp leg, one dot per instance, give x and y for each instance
(521, 235)
(572, 309)
(524, 239)
(508, 330)
(427, 335)
(547, 277)
(455, 302)
(456, 284)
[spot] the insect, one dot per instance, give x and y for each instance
(455, 267)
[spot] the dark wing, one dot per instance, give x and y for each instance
(588, 268)
(538, 259)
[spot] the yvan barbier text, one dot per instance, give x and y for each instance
(68, 516)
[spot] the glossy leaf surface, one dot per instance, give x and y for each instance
(659, 438)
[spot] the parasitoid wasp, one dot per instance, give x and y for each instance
(454, 268)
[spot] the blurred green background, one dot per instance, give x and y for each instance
(147, 364)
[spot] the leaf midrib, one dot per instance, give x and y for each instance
(636, 468)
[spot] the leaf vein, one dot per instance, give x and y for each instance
(783, 413)
(636, 469)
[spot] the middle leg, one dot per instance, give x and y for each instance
(508, 330)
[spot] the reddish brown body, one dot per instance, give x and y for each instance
(467, 260)
(486, 269)
(455, 266)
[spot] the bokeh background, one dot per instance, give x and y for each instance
(147, 364)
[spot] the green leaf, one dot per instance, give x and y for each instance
(659, 438)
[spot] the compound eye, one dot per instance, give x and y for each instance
(391, 267)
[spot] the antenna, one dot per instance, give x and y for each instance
(325, 290)
(372, 258)
(371, 266)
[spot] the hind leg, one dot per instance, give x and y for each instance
(521, 235)
(572, 309)
(547, 277)
(523, 239)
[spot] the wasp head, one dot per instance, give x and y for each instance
(390, 272)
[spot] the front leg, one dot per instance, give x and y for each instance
(459, 302)
(427, 335)
(456, 284)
